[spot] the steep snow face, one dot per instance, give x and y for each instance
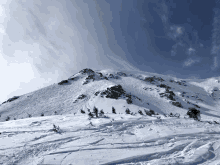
(56, 129)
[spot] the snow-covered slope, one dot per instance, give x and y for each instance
(118, 138)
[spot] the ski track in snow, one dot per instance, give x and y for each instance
(122, 141)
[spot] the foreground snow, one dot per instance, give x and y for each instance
(117, 139)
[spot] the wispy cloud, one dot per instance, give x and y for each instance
(190, 62)
(215, 63)
(190, 51)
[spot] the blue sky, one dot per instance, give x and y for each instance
(44, 42)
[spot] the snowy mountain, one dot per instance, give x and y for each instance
(148, 135)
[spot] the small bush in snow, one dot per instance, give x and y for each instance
(42, 114)
(140, 112)
(102, 112)
(82, 111)
(29, 115)
(165, 115)
(129, 100)
(113, 110)
(147, 112)
(95, 110)
(127, 111)
(90, 115)
(14, 118)
(56, 128)
(177, 115)
(152, 112)
(55, 112)
(7, 119)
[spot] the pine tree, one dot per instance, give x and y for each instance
(113, 110)
(90, 115)
(127, 111)
(140, 112)
(102, 112)
(95, 110)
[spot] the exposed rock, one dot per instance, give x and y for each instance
(88, 78)
(169, 94)
(80, 97)
(164, 86)
(114, 92)
(100, 74)
(63, 82)
(87, 71)
(112, 76)
(73, 78)
(152, 79)
(96, 94)
(11, 99)
(177, 104)
(121, 74)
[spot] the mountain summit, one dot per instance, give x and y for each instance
(138, 91)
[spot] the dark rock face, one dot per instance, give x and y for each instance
(87, 71)
(63, 82)
(121, 74)
(164, 86)
(96, 94)
(80, 97)
(74, 78)
(100, 74)
(194, 113)
(169, 94)
(181, 82)
(11, 99)
(88, 79)
(153, 79)
(114, 92)
(112, 76)
(177, 104)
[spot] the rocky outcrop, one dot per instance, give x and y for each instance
(63, 82)
(80, 97)
(169, 94)
(121, 74)
(87, 71)
(11, 99)
(164, 86)
(88, 79)
(113, 92)
(153, 79)
(181, 82)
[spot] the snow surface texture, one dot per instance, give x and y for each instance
(54, 131)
